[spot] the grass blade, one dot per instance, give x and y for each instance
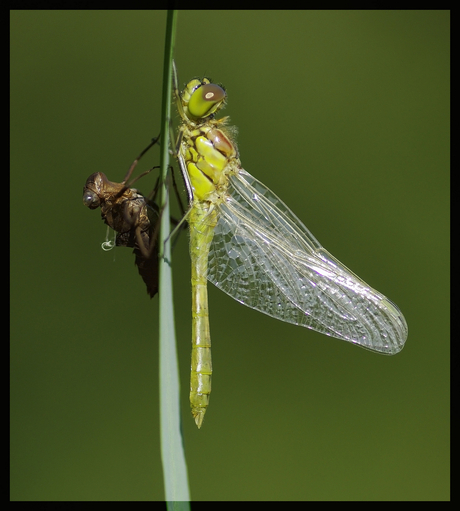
(177, 493)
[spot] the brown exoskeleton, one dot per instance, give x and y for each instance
(134, 217)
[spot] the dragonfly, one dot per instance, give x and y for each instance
(247, 242)
(133, 216)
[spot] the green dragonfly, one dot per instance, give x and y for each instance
(248, 243)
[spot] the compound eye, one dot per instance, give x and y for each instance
(90, 199)
(205, 100)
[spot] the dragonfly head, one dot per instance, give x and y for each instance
(98, 188)
(91, 190)
(202, 99)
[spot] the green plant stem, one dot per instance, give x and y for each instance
(177, 493)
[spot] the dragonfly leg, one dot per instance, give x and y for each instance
(153, 193)
(146, 252)
(128, 185)
(136, 161)
(178, 224)
(176, 92)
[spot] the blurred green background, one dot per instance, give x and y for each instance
(345, 115)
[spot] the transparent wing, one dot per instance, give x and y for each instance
(264, 257)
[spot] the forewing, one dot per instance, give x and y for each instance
(264, 257)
